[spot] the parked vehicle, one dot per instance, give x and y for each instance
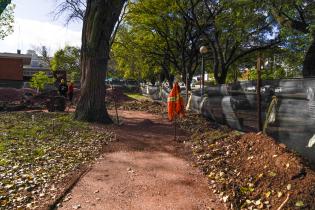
(115, 83)
(132, 85)
(193, 83)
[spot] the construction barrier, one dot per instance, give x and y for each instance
(288, 109)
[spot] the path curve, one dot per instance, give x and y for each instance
(144, 170)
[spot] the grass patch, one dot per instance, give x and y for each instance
(34, 155)
(137, 96)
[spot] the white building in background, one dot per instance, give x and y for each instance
(198, 77)
(37, 64)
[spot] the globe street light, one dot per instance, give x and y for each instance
(203, 50)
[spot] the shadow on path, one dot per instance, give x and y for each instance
(144, 169)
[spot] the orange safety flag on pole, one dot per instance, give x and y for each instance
(175, 103)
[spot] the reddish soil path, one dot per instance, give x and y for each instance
(144, 169)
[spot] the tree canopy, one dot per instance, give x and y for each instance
(6, 18)
(3, 5)
(297, 21)
(171, 33)
(168, 34)
(67, 59)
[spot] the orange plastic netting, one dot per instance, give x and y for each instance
(175, 103)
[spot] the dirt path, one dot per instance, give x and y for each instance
(145, 169)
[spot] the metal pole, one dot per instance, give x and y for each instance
(259, 124)
(187, 86)
(200, 80)
(115, 105)
(202, 75)
(175, 137)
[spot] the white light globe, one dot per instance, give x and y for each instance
(203, 49)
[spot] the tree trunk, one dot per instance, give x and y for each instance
(220, 78)
(189, 79)
(99, 21)
(171, 80)
(309, 61)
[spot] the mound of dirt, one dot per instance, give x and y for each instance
(116, 95)
(145, 105)
(194, 123)
(252, 171)
(146, 123)
(12, 95)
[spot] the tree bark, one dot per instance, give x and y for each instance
(98, 25)
(220, 73)
(309, 61)
(221, 79)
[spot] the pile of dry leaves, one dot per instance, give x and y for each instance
(252, 171)
(38, 151)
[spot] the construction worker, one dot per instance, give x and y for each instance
(70, 91)
(63, 88)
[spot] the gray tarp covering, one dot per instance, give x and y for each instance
(293, 120)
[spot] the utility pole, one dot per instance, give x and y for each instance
(203, 50)
(259, 122)
(202, 76)
(187, 86)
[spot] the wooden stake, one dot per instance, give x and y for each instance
(53, 125)
(114, 97)
(175, 127)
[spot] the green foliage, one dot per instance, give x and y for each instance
(137, 96)
(233, 75)
(295, 15)
(40, 79)
(3, 5)
(154, 37)
(277, 63)
(6, 20)
(129, 53)
(159, 34)
(246, 190)
(67, 59)
(296, 22)
(267, 74)
(176, 29)
(74, 76)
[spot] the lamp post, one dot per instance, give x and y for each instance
(203, 50)
(259, 117)
(187, 76)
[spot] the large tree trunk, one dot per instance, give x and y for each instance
(309, 61)
(99, 21)
(189, 79)
(220, 74)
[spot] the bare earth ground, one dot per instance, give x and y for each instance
(144, 169)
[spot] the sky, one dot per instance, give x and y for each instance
(35, 26)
